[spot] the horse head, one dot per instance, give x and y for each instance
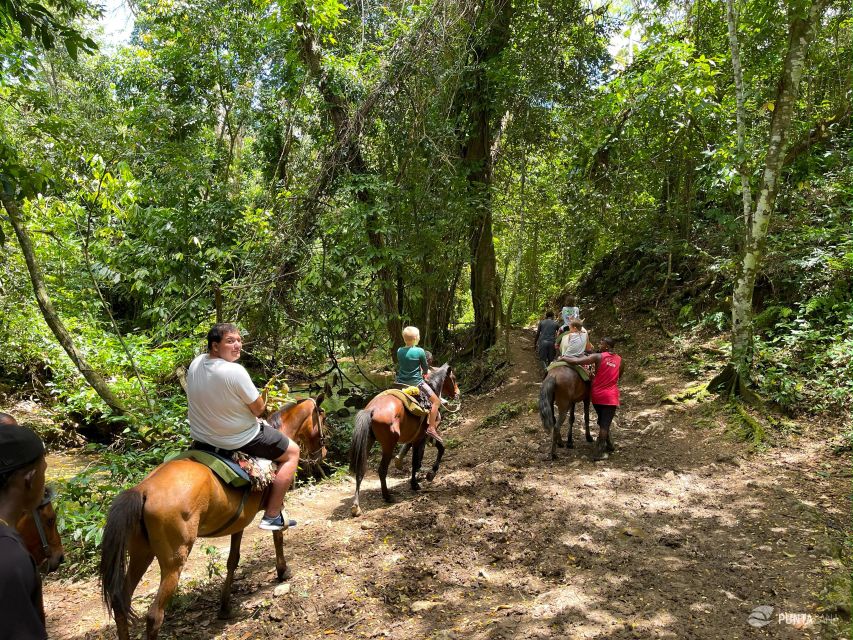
(41, 538)
(304, 422)
(443, 382)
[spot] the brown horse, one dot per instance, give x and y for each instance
(564, 386)
(178, 502)
(40, 536)
(38, 527)
(385, 419)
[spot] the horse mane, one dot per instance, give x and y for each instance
(437, 377)
(275, 418)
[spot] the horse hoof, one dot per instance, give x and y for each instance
(430, 476)
(610, 447)
(560, 444)
(398, 464)
(589, 438)
(388, 499)
(225, 614)
(570, 445)
(355, 511)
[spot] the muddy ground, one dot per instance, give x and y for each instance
(681, 534)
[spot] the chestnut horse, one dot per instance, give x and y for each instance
(38, 531)
(38, 527)
(385, 419)
(178, 502)
(564, 386)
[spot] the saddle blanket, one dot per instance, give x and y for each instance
(237, 471)
(408, 401)
(583, 373)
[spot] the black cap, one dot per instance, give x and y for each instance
(19, 446)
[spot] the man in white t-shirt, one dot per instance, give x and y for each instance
(224, 407)
(575, 341)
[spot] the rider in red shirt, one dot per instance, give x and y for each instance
(605, 390)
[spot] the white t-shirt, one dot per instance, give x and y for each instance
(573, 344)
(218, 393)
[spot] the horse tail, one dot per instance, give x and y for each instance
(360, 441)
(123, 521)
(546, 403)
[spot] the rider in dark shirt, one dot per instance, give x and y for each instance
(546, 334)
(22, 466)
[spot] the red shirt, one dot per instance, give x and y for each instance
(605, 389)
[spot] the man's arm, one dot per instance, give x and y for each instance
(258, 406)
(538, 331)
(593, 358)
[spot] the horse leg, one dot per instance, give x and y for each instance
(417, 461)
(233, 561)
(430, 476)
(281, 570)
(570, 439)
(140, 559)
(355, 509)
(171, 565)
(383, 474)
(398, 459)
(586, 418)
(556, 440)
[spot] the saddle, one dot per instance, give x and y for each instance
(583, 373)
(408, 401)
(240, 471)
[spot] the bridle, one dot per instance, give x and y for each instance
(46, 500)
(316, 457)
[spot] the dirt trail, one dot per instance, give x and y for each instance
(680, 534)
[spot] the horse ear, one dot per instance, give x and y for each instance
(319, 399)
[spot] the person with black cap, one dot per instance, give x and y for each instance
(22, 466)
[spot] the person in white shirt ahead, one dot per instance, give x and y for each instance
(224, 407)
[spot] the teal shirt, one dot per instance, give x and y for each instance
(410, 361)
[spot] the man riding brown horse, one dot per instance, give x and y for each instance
(224, 407)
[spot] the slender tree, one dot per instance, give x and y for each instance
(735, 376)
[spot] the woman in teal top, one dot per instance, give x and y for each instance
(412, 365)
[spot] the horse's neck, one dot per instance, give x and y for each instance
(436, 380)
(292, 419)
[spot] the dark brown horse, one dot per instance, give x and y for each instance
(178, 502)
(385, 419)
(563, 386)
(38, 527)
(41, 538)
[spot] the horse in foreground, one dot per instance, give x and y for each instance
(563, 386)
(41, 538)
(178, 502)
(386, 419)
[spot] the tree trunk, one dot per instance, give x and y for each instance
(95, 379)
(736, 374)
(477, 161)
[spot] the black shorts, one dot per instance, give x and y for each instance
(605, 414)
(270, 443)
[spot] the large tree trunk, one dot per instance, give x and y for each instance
(50, 316)
(801, 30)
(477, 161)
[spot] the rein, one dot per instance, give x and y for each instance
(46, 500)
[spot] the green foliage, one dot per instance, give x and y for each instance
(502, 413)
